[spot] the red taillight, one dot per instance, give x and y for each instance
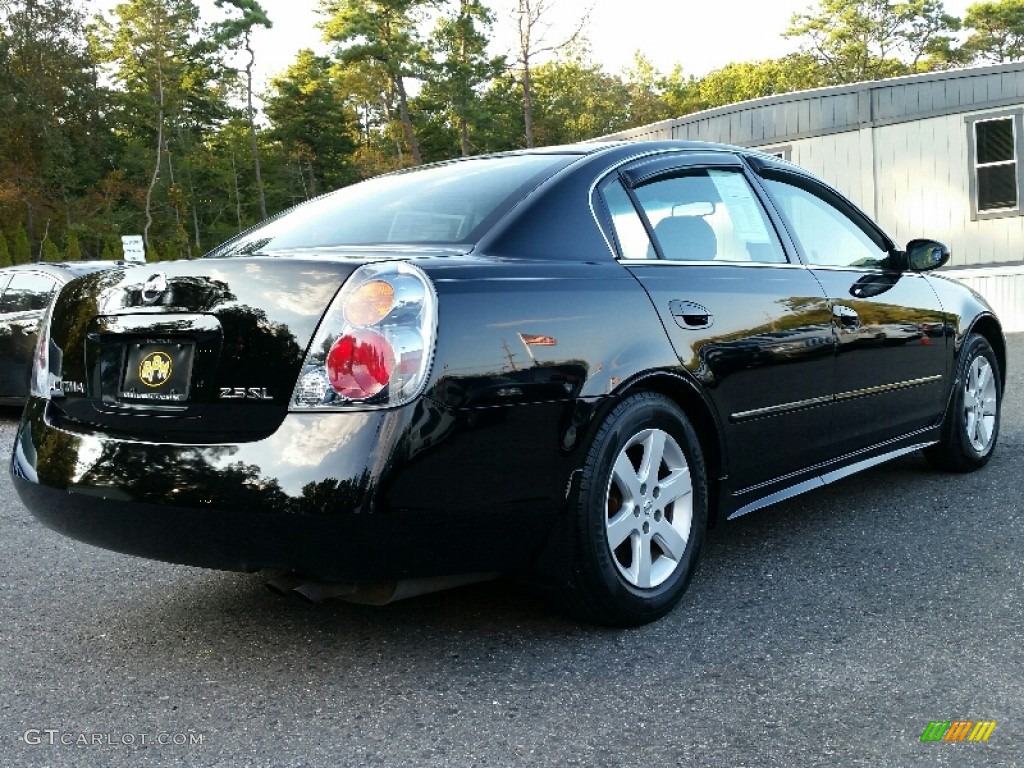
(360, 365)
(374, 345)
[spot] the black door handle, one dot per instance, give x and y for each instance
(690, 316)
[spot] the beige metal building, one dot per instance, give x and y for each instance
(936, 155)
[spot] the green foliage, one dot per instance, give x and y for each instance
(459, 69)
(72, 249)
(855, 40)
(312, 126)
(382, 34)
(647, 89)
(170, 97)
(5, 254)
(752, 80)
(53, 134)
(575, 100)
(998, 31)
(50, 250)
(108, 253)
(235, 30)
(22, 250)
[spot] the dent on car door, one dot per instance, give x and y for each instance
(750, 327)
(891, 354)
(21, 306)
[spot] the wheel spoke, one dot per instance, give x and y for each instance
(982, 433)
(625, 476)
(972, 424)
(654, 451)
(621, 527)
(675, 486)
(671, 541)
(641, 562)
(982, 372)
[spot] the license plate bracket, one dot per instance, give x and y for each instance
(156, 371)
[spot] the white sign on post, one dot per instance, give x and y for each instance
(133, 247)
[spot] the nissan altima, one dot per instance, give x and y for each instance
(25, 292)
(563, 363)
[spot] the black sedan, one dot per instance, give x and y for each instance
(562, 363)
(25, 292)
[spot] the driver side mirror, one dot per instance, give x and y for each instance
(923, 255)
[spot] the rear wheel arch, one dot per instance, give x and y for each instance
(687, 397)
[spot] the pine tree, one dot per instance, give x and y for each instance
(72, 249)
(22, 249)
(50, 250)
(5, 254)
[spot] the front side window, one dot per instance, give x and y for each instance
(827, 236)
(705, 214)
(26, 293)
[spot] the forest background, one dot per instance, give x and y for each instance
(145, 119)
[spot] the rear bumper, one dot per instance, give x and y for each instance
(347, 497)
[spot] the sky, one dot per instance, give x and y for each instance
(699, 35)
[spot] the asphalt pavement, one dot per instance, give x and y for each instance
(828, 630)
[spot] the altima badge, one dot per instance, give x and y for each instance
(154, 288)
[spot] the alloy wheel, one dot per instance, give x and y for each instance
(649, 508)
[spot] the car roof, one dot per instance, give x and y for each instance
(598, 147)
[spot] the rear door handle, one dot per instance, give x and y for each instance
(690, 316)
(846, 316)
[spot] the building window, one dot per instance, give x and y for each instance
(995, 151)
(783, 153)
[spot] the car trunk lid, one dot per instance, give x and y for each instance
(195, 351)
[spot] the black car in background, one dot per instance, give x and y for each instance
(25, 292)
(564, 363)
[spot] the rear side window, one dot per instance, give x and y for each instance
(444, 204)
(705, 214)
(26, 293)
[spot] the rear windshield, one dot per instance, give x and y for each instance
(453, 203)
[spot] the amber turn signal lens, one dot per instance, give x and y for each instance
(370, 303)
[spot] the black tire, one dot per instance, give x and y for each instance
(621, 585)
(971, 426)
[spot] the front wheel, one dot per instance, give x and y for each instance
(972, 424)
(640, 512)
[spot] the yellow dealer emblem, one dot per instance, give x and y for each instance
(155, 369)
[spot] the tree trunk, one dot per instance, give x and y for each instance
(527, 104)
(159, 153)
(462, 107)
(238, 196)
(403, 113)
(313, 186)
(252, 129)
